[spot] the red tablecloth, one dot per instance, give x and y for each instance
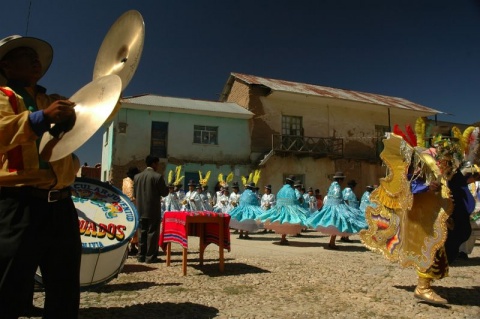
(174, 230)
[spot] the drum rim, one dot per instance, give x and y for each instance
(90, 250)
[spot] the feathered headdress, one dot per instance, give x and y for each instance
(178, 177)
(225, 182)
(409, 135)
(470, 143)
(252, 177)
(203, 181)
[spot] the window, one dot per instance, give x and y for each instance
(205, 134)
(158, 144)
(292, 125)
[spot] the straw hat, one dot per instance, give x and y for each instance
(43, 49)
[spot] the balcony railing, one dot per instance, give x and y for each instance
(308, 146)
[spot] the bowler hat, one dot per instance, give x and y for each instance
(352, 183)
(268, 187)
(235, 185)
(290, 178)
(370, 187)
(191, 183)
(250, 185)
(338, 175)
(43, 49)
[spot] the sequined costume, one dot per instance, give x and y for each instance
(287, 216)
(365, 201)
(336, 217)
(245, 215)
(405, 230)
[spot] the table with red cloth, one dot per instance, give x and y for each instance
(210, 227)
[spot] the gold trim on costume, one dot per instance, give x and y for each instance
(403, 229)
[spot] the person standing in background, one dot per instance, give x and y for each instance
(149, 187)
(127, 189)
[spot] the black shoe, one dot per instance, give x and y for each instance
(154, 260)
(141, 259)
(462, 255)
(133, 251)
(32, 311)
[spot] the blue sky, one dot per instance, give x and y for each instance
(424, 51)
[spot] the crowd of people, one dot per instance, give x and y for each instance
(35, 197)
(289, 212)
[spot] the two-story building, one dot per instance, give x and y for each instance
(199, 135)
(313, 131)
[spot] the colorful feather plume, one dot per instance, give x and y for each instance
(178, 177)
(412, 138)
(170, 176)
(256, 176)
(244, 180)
(420, 126)
(230, 177)
(471, 136)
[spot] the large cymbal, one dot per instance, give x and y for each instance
(94, 104)
(121, 48)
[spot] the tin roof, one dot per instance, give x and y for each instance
(191, 106)
(327, 92)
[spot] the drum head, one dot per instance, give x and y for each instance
(107, 218)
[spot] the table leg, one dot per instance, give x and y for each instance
(220, 243)
(169, 251)
(202, 241)
(184, 261)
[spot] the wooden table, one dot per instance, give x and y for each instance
(210, 227)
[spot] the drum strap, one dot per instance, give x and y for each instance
(15, 158)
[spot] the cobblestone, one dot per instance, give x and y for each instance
(265, 280)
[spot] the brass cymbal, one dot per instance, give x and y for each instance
(121, 48)
(93, 105)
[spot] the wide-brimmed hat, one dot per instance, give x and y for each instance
(370, 187)
(310, 189)
(250, 185)
(297, 183)
(191, 183)
(338, 175)
(43, 49)
(268, 187)
(235, 185)
(290, 178)
(352, 183)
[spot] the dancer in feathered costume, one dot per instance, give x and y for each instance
(171, 202)
(205, 196)
(336, 218)
(409, 222)
(222, 200)
(287, 217)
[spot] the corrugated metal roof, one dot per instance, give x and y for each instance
(322, 91)
(182, 105)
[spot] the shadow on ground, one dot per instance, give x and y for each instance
(231, 269)
(127, 286)
(185, 310)
(472, 261)
(132, 268)
(455, 295)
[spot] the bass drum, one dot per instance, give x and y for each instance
(107, 221)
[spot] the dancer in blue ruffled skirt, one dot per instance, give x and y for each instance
(336, 218)
(244, 216)
(287, 217)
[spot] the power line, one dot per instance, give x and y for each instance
(28, 17)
